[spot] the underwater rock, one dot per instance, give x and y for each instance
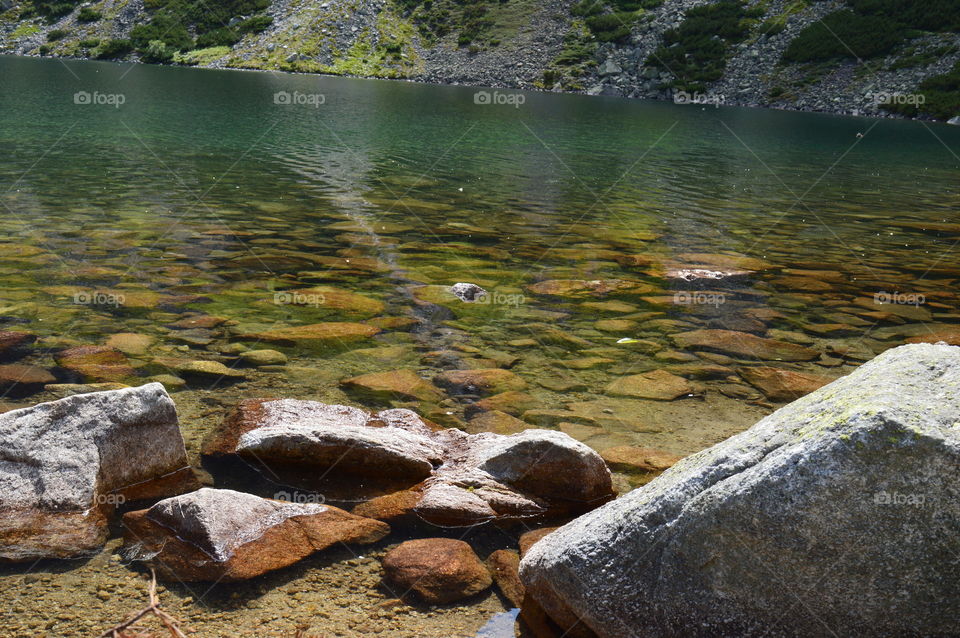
(129, 343)
(206, 371)
(96, 363)
(329, 297)
(857, 480)
(641, 463)
(577, 288)
(745, 345)
(18, 379)
(496, 421)
(467, 292)
(67, 464)
(779, 384)
(483, 381)
(439, 570)
(512, 402)
(260, 358)
(393, 385)
(658, 385)
(227, 536)
(319, 335)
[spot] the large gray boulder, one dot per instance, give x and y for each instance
(836, 515)
(66, 465)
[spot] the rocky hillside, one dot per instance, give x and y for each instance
(868, 57)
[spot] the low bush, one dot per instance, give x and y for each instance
(112, 49)
(845, 34)
(88, 15)
(57, 34)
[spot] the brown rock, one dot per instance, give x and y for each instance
(744, 345)
(642, 462)
(319, 335)
(528, 539)
(332, 298)
(393, 385)
(496, 421)
(129, 343)
(392, 323)
(504, 566)
(440, 570)
(949, 336)
(485, 381)
(581, 288)
(96, 363)
(226, 536)
(395, 509)
(206, 322)
(21, 378)
(615, 325)
(658, 385)
(782, 385)
(512, 402)
(10, 339)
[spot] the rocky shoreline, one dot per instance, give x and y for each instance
(754, 74)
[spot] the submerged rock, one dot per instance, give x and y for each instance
(483, 381)
(68, 463)
(439, 570)
(96, 363)
(393, 385)
(332, 334)
(225, 536)
(839, 510)
(658, 385)
(10, 340)
(504, 566)
(467, 292)
(577, 288)
(744, 344)
(779, 384)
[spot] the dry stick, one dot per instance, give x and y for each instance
(171, 623)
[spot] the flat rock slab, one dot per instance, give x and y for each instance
(66, 464)
(393, 385)
(333, 334)
(658, 385)
(744, 345)
(778, 384)
(836, 514)
(484, 381)
(225, 536)
(96, 363)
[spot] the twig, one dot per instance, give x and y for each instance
(170, 622)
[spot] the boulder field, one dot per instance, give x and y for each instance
(836, 515)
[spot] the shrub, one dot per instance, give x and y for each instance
(90, 43)
(696, 52)
(88, 15)
(587, 8)
(256, 24)
(845, 34)
(115, 48)
(157, 52)
(222, 37)
(57, 34)
(162, 27)
(44, 49)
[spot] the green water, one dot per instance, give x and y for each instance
(200, 194)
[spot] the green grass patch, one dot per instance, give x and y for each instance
(200, 56)
(182, 25)
(24, 30)
(88, 15)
